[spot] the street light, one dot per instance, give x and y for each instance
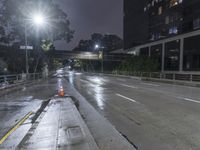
(97, 47)
(37, 20)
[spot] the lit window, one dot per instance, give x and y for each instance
(152, 3)
(160, 10)
(175, 2)
(173, 30)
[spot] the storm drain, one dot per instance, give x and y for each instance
(74, 135)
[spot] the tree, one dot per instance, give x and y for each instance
(14, 15)
(47, 45)
(139, 64)
(110, 42)
(3, 66)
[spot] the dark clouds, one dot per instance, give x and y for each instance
(89, 16)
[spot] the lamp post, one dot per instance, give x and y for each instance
(97, 46)
(38, 20)
(26, 44)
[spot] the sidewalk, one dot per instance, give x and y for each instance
(60, 126)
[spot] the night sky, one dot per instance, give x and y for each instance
(92, 16)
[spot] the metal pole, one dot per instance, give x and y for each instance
(102, 61)
(26, 44)
(181, 54)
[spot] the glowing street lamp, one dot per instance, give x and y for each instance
(38, 19)
(97, 47)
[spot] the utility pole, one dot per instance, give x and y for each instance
(102, 69)
(26, 44)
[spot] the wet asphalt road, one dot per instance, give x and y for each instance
(153, 116)
(15, 105)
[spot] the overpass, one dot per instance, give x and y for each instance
(87, 55)
(75, 55)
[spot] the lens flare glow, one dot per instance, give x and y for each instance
(38, 19)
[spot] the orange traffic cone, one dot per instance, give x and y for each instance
(61, 92)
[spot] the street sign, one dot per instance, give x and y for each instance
(26, 47)
(100, 55)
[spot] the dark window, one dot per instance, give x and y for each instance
(191, 54)
(156, 53)
(196, 23)
(144, 51)
(172, 55)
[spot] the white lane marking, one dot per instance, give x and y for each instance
(150, 84)
(84, 81)
(132, 100)
(190, 100)
(121, 80)
(133, 87)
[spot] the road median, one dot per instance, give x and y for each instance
(59, 126)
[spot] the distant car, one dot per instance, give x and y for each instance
(4, 84)
(60, 76)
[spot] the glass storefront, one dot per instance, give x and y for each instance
(172, 55)
(191, 56)
(156, 53)
(144, 51)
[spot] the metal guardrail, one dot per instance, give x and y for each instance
(170, 76)
(6, 80)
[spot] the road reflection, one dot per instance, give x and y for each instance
(71, 77)
(96, 86)
(99, 96)
(92, 85)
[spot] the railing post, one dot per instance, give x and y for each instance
(17, 78)
(5, 79)
(191, 77)
(174, 76)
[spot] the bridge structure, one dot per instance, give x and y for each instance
(61, 54)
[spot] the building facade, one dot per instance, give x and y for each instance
(135, 23)
(172, 17)
(174, 35)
